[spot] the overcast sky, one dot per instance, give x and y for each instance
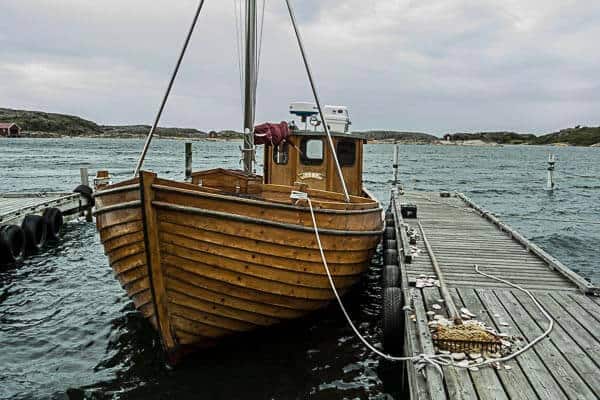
(428, 65)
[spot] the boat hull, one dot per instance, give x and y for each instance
(202, 265)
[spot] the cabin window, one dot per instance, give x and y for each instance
(346, 153)
(281, 154)
(312, 151)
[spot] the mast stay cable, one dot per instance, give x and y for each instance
(237, 10)
(168, 91)
(316, 97)
(260, 40)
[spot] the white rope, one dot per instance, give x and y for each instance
(419, 358)
(435, 360)
(238, 41)
(315, 92)
(528, 293)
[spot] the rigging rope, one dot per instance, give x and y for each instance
(260, 40)
(436, 360)
(317, 101)
(238, 41)
(168, 91)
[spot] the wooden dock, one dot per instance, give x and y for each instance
(15, 206)
(565, 365)
(28, 221)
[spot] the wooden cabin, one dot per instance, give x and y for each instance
(9, 129)
(305, 158)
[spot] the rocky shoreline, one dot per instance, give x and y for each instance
(36, 124)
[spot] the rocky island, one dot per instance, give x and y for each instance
(44, 124)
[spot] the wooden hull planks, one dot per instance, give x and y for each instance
(202, 264)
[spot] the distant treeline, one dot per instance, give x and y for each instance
(52, 124)
(578, 136)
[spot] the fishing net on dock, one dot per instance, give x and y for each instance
(465, 338)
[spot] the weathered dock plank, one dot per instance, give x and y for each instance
(571, 381)
(458, 381)
(513, 383)
(15, 206)
(566, 365)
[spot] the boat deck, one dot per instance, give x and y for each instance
(461, 234)
(15, 206)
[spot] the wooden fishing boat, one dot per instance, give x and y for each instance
(229, 251)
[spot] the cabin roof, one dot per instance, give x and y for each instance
(6, 125)
(334, 134)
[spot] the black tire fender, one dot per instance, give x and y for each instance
(87, 193)
(390, 276)
(393, 321)
(389, 233)
(54, 223)
(389, 219)
(12, 244)
(390, 256)
(34, 227)
(389, 244)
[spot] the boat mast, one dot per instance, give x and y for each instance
(250, 76)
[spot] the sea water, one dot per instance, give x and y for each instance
(68, 330)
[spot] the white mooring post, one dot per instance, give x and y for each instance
(85, 179)
(550, 185)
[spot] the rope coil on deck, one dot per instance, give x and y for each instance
(421, 360)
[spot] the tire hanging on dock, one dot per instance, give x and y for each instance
(390, 276)
(390, 257)
(87, 193)
(12, 244)
(34, 227)
(54, 223)
(393, 321)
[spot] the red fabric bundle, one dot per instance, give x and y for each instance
(269, 133)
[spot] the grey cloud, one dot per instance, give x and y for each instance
(399, 64)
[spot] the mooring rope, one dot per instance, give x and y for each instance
(315, 92)
(168, 90)
(436, 360)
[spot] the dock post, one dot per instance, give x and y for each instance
(395, 165)
(188, 161)
(83, 172)
(550, 185)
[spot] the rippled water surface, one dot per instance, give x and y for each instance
(68, 330)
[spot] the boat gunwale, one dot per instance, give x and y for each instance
(118, 189)
(258, 221)
(118, 206)
(270, 204)
(229, 197)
